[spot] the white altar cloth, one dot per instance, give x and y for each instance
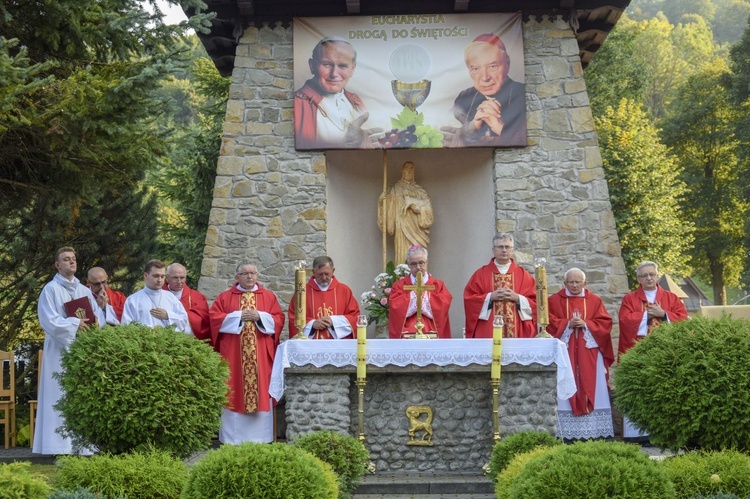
(440, 352)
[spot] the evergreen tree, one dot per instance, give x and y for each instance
(77, 134)
(645, 191)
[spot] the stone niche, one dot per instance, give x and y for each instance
(460, 398)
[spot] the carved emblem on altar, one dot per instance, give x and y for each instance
(418, 425)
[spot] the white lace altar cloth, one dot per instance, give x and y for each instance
(440, 352)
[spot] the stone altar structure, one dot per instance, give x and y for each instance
(447, 378)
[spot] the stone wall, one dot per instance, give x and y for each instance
(269, 201)
(460, 398)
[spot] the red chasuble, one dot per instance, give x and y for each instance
(583, 359)
(486, 280)
(398, 306)
(117, 300)
(336, 300)
(249, 354)
(633, 307)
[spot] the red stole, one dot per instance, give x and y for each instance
(248, 342)
(583, 361)
(505, 308)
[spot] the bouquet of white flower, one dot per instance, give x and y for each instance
(376, 300)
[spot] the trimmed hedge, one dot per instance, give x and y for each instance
(18, 482)
(592, 470)
(688, 384)
(518, 443)
(152, 474)
(507, 477)
(130, 387)
(706, 473)
(270, 471)
(346, 455)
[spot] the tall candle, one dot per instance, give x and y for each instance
(362, 347)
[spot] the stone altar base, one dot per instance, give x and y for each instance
(460, 398)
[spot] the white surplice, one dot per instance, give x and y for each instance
(138, 309)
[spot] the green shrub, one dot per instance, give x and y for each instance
(509, 474)
(275, 471)
(688, 384)
(139, 475)
(704, 473)
(518, 443)
(346, 455)
(129, 387)
(592, 469)
(18, 482)
(719, 495)
(79, 493)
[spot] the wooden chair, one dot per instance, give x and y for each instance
(33, 403)
(8, 398)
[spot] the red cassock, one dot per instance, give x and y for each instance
(486, 280)
(249, 354)
(336, 300)
(117, 300)
(398, 305)
(633, 307)
(583, 359)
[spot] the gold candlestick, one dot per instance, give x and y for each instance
(542, 308)
(497, 353)
(300, 304)
(361, 373)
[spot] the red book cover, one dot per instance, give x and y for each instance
(81, 308)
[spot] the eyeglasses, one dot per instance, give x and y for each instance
(103, 283)
(417, 264)
(245, 274)
(651, 275)
(574, 282)
(503, 247)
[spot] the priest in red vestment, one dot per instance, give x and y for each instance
(246, 322)
(193, 301)
(402, 304)
(578, 318)
(98, 281)
(501, 287)
(646, 308)
(642, 311)
(331, 310)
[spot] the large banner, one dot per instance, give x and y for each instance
(409, 81)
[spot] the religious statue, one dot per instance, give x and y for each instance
(405, 212)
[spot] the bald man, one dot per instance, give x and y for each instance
(193, 301)
(110, 302)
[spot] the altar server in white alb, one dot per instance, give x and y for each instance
(59, 332)
(153, 306)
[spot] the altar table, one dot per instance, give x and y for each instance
(439, 352)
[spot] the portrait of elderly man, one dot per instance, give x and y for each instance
(493, 111)
(326, 115)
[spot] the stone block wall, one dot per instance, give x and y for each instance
(460, 398)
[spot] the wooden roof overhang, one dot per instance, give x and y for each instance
(591, 19)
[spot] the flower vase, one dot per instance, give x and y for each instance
(381, 331)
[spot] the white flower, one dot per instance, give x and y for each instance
(364, 296)
(381, 277)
